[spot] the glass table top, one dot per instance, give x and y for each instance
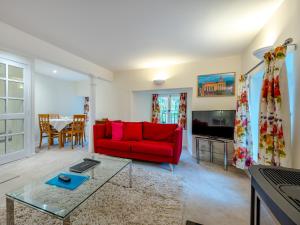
(60, 202)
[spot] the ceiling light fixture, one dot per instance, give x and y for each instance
(160, 78)
(54, 71)
(159, 81)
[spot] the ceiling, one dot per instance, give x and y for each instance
(58, 72)
(134, 34)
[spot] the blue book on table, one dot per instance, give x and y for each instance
(76, 181)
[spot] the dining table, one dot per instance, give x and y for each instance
(60, 124)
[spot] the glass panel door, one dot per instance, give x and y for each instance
(169, 108)
(13, 121)
(163, 101)
(174, 108)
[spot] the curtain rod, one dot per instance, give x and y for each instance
(287, 42)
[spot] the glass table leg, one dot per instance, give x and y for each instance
(10, 212)
(130, 175)
(67, 221)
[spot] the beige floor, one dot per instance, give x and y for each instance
(212, 195)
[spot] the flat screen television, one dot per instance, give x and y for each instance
(216, 123)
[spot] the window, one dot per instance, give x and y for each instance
(169, 108)
(291, 79)
(254, 97)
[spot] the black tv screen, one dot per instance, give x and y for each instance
(216, 123)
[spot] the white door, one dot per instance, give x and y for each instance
(15, 110)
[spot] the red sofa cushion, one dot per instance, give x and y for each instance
(123, 146)
(153, 148)
(158, 132)
(132, 131)
(99, 131)
(117, 131)
(108, 128)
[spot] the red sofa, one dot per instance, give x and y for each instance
(157, 142)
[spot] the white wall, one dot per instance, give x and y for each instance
(283, 24)
(55, 96)
(180, 76)
(107, 100)
(142, 106)
(82, 87)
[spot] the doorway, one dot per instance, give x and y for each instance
(60, 93)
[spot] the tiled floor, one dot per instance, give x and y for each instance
(212, 195)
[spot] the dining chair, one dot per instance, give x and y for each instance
(46, 130)
(76, 130)
(101, 121)
(54, 116)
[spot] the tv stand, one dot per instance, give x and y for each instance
(211, 151)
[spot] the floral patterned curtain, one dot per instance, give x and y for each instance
(182, 110)
(155, 109)
(242, 131)
(271, 139)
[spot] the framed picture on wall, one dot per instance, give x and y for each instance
(220, 84)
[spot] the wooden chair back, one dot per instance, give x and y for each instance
(78, 123)
(44, 123)
(54, 116)
(102, 121)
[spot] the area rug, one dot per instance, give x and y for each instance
(155, 199)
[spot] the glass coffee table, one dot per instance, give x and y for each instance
(59, 202)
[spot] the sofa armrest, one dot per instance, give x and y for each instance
(99, 131)
(178, 144)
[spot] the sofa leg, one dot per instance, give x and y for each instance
(171, 167)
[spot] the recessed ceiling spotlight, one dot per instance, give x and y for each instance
(54, 71)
